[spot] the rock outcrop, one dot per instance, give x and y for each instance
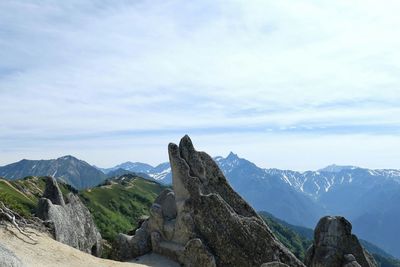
(71, 222)
(9, 259)
(203, 221)
(335, 246)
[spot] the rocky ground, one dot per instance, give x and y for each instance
(49, 253)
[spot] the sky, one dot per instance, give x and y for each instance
(285, 84)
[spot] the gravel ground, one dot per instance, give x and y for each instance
(49, 253)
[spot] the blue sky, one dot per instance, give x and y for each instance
(287, 84)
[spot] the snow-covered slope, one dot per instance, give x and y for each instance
(130, 166)
(161, 172)
(312, 183)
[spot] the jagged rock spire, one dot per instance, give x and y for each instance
(203, 222)
(52, 192)
(229, 227)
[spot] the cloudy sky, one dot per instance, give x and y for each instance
(287, 84)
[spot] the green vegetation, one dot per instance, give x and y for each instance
(386, 261)
(23, 195)
(117, 204)
(294, 241)
(16, 200)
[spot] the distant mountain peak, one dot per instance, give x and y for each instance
(128, 163)
(76, 172)
(337, 168)
(144, 167)
(232, 156)
(67, 157)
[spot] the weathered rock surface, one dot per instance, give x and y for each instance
(129, 247)
(350, 261)
(203, 221)
(71, 221)
(9, 259)
(334, 246)
(274, 264)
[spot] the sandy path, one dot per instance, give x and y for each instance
(49, 253)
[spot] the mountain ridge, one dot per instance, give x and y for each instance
(355, 192)
(360, 194)
(69, 169)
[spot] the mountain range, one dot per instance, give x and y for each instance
(118, 203)
(369, 198)
(161, 172)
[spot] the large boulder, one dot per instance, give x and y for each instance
(204, 222)
(71, 221)
(8, 258)
(335, 246)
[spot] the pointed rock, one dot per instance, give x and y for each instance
(231, 229)
(232, 156)
(204, 222)
(53, 192)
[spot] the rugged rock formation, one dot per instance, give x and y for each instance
(334, 246)
(203, 221)
(9, 259)
(71, 221)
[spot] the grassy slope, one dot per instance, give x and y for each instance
(119, 203)
(116, 205)
(294, 241)
(22, 195)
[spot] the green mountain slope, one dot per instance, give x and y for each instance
(23, 195)
(117, 204)
(292, 239)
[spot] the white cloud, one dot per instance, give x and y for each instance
(101, 68)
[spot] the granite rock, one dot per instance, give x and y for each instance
(334, 245)
(203, 222)
(9, 259)
(72, 223)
